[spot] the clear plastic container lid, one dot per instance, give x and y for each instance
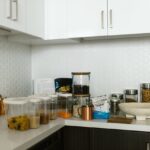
(16, 101)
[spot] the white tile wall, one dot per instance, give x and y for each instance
(114, 64)
(15, 69)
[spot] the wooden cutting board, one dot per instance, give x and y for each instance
(119, 120)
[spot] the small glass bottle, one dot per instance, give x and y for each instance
(53, 107)
(34, 113)
(145, 92)
(17, 111)
(44, 111)
(65, 103)
(81, 83)
(131, 95)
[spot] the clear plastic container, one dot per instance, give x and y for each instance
(34, 113)
(17, 110)
(81, 83)
(45, 109)
(53, 107)
(145, 92)
(65, 103)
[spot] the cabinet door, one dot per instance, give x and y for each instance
(55, 23)
(76, 138)
(87, 18)
(14, 14)
(128, 17)
(105, 139)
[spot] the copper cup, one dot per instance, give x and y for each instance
(87, 112)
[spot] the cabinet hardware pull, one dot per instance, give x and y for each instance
(9, 9)
(111, 20)
(102, 19)
(14, 10)
(148, 146)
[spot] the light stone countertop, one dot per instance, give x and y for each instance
(21, 140)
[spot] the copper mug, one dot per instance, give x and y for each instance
(86, 112)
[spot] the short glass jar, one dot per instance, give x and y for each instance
(65, 103)
(81, 83)
(17, 111)
(131, 95)
(145, 92)
(34, 113)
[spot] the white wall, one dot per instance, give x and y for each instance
(15, 69)
(114, 64)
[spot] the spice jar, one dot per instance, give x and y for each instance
(131, 95)
(81, 82)
(44, 111)
(17, 113)
(65, 105)
(34, 113)
(145, 92)
(53, 107)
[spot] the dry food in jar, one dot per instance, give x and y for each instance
(44, 118)
(146, 95)
(64, 114)
(34, 122)
(52, 116)
(19, 123)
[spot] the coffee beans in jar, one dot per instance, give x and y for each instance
(145, 92)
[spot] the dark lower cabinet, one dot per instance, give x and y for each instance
(52, 142)
(76, 138)
(106, 139)
(81, 138)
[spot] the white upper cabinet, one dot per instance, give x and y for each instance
(128, 17)
(86, 18)
(13, 14)
(47, 18)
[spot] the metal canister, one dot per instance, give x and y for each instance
(87, 112)
(114, 105)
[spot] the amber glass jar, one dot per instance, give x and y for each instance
(145, 92)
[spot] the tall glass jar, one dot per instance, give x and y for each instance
(53, 107)
(34, 113)
(65, 103)
(17, 110)
(145, 92)
(44, 111)
(81, 83)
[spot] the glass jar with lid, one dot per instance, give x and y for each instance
(44, 110)
(17, 111)
(145, 92)
(81, 83)
(34, 113)
(131, 95)
(53, 107)
(65, 103)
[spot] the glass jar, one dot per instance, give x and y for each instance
(45, 109)
(81, 83)
(53, 107)
(17, 110)
(131, 95)
(65, 103)
(114, 105)
(118, 95)
(34, 113)
(145, 92)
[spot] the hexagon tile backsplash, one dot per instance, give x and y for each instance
(15, 69)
